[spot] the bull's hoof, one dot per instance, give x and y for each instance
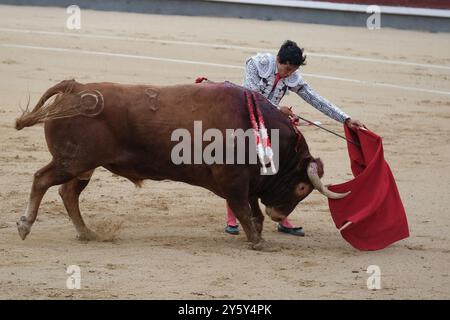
(265, 246)
(87, 236)
(24, 227)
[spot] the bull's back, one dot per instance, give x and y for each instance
(154, 113)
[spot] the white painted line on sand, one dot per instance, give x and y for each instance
(224, 46)
(209, 64)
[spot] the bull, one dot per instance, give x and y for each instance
(127, 130)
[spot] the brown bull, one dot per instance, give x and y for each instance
(127, 130)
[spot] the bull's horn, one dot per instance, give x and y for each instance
(315, 180)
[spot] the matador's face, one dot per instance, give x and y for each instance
(286, 69)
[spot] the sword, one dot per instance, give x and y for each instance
(336, 134)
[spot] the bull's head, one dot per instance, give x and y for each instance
(299, 188)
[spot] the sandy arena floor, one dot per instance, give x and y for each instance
(166, 240)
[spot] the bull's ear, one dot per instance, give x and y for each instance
(303, 189)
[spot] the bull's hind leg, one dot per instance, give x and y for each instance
(70, 194)
(50, 175)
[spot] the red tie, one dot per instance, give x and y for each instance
(277, 78)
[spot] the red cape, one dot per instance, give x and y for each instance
(374, 206)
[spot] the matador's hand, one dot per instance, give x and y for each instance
(287, 111)
(355, 124)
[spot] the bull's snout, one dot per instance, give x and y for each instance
(274, 214)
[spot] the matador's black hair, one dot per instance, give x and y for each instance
(291, 53)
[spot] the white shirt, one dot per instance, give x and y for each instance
(260, 74)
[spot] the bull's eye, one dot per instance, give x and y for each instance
(302, 190)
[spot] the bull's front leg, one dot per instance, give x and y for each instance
(234, 184)
(258, 217)
(252, 223)
(242, 211)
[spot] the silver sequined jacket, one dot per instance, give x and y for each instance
(260, 76)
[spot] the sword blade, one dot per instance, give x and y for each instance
(336, 134)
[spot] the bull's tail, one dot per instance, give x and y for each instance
(60, 107)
